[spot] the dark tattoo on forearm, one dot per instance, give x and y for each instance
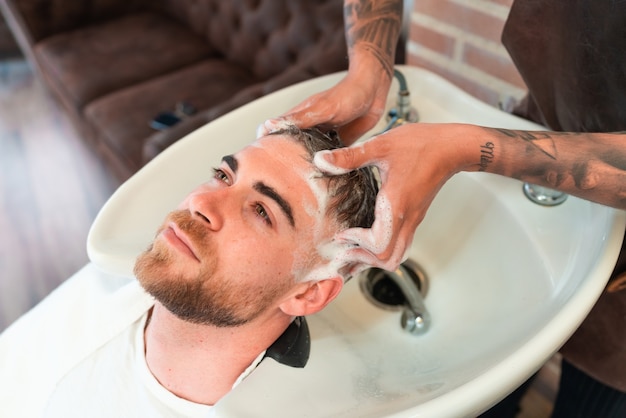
(541, 140)
(376, 24)
(589, 165)
(486, 155)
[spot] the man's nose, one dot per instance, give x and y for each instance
(209, 207)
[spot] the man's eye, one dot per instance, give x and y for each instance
(262, 213)
(220, 175)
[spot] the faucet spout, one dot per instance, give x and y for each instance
(415, 317)
(405, 289)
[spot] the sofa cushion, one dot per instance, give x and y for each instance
(123, 118)
(91, 62)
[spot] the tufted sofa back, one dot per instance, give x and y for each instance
(266, 36)
(216, 55)
(44, 18)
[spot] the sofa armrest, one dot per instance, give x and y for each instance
(160, 140)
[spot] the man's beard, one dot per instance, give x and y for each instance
(208, 298)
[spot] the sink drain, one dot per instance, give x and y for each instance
(381, 287)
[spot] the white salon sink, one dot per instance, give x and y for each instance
(509, 280)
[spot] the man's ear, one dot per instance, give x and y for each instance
(311, 297)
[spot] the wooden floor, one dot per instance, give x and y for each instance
(51, 188)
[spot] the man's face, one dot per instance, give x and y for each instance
(235, 245)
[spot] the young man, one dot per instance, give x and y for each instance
(241, 258)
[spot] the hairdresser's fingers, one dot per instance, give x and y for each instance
(353, 106)
(349, 125)
(344, 160)
(390, 235)
(369, 251)
(327, 109)
(385, 244)
(272, 125)
(361, 258)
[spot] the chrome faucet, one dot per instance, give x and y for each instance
(404, 288)
(415, 317)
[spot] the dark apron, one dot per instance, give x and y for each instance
(572, 56)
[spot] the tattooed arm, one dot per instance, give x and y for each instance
(415, 160)
(357, 102)
(372, 30)
(588, 165)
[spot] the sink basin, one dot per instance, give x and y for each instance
(509, 280)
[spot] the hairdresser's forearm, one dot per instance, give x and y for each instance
(372, 30)
(588, 165)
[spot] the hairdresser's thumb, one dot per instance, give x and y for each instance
(341, 160)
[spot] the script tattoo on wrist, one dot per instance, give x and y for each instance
(375, 24)
(486, 155)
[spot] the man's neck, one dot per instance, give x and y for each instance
(201, 363)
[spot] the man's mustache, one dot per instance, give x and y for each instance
(193, 228)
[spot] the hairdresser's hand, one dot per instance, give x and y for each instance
(352, 107)
(414, 161)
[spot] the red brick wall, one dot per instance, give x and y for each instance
(460, 40)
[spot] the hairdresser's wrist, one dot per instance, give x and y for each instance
(454, 147)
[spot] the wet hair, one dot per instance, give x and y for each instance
(352, 195)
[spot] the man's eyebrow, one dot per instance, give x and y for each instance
(231, 161)
(264, 189)
(272, 194)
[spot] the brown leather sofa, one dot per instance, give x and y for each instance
(116, 64)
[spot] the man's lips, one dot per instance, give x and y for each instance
(179, 240)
